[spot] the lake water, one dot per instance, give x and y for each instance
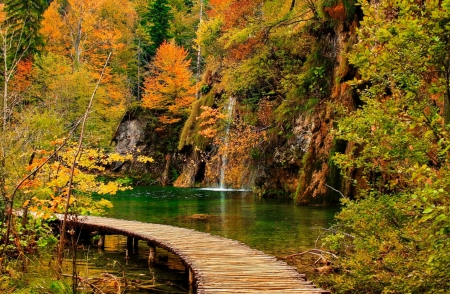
(275, 226)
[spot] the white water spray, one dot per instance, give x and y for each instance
(223, 166)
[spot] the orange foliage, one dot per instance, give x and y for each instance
(52, 29)
(2, 13)
(218, 7)
(265, 112)
(237, 14)
(336, 12)
(243, 50)
(239, 147)
(22, 78)
(169, 88)
(209, 117)
(87, 30)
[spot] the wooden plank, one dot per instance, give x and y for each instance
(218, 265)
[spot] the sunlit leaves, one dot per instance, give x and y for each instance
(209, 117)
(46, 192)
(169, 89)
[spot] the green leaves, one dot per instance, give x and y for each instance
(401, 222)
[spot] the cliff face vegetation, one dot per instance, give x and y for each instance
(391, 239)
(272, 72)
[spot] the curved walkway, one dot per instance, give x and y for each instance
(218, 265)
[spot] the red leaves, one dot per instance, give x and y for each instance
(239, 12)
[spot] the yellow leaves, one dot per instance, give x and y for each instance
(144, 159)
(25, 204)
(47, 191)
(116, 157)
(105, 203)
(108, 188)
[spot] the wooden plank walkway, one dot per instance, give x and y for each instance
(218, 265)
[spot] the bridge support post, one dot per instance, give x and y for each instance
(101, 242)
(152, 254)
(135, 244)
(130, 243)
(191, 276)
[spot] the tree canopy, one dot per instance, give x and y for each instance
(306, 93)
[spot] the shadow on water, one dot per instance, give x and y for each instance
(106, 269)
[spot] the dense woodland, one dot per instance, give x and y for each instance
(326, 102)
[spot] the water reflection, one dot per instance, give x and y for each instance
(274, 226)
(167, 274)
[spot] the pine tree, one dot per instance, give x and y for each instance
(25, 18)
(156, 22)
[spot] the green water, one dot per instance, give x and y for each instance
(274, 226)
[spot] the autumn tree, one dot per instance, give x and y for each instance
(169, 90)
(13, 50)
(87, 30)
(79, 34)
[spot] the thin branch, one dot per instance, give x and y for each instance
(336, 190)
(336, 231)
(72, 171)
(17, 187)
(314, 252)
(123, 275)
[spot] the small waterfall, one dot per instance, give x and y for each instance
(229, 119)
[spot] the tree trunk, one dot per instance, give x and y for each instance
(446, 112)
(292, 5)
(165, 177)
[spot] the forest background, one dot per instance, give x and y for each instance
(333, 101)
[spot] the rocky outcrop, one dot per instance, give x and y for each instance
(130, 139)
(135, 135)
(130, 136)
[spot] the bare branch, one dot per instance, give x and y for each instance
(72, 171)
(336, 190)
(314, 252)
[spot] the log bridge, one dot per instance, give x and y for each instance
(215, 264)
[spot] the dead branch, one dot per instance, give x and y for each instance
(72, 170)
(86, 281)
(317, 252)
(336, 190)
(115, 281)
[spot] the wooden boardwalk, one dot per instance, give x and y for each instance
(216, 264)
